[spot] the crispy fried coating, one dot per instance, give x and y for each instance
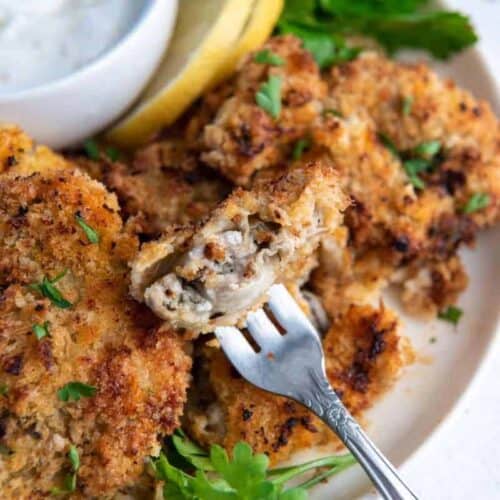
(398, 229)
(19, 153)
(104, 339)
(436, 110)
(243, 137)
(363, 358)
(204, 276)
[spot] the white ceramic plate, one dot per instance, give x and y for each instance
(430, 389)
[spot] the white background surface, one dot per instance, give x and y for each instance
(462, 461)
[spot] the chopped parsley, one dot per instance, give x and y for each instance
(3, 390)
(267, 57)
(406, 105)
(47, 289)
(300, 146)
(427, 149)
(245, 475)
(41, 331)
(113, 154)
(388, 143)
(92, 149)
(413, 168)
(451, 314)
(91, 234)
(73, 391)
(476, 202)
(268, 96)
(333, 112)
(69, 484)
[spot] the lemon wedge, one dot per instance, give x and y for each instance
(264, 17)
(206, 32)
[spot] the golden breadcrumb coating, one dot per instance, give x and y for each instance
(104, 339)
(160, 186)
(19, 154)
(243, 137)
(437, 109)
(203, 276)
(364, 355)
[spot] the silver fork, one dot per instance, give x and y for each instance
(293, 365)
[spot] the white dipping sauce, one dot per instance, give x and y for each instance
(44, 40)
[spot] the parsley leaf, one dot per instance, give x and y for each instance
(415, 166)
(267, 57)
(73, 391)
(3, 390)
(91, 234)
(41, 331)
(48, 290)
(406, 105)
(113, 154)
(69, 483)
(452, 314)
(324, 24)
(300, 146)
(268, 96)
(244, 476)
(427, 149)
(333, 112)
(388, 143)
(91, 149)
(476, 202)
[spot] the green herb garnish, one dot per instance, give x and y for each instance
(5, 450)
(267, 57)
(427, 149)
(91, 234)
(41, 331)
(92, 149)
(388, 143)
(3, 390)
(333, 112)
(69, 483)
(406, 105)
(413, 168)
(113, 154)
(323, 26)
(300, 146)
(47, 289)
(452, 314)
(73, 391)
(476, 202)
(268, 96)
(245, 476)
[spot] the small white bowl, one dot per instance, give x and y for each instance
(65, 112)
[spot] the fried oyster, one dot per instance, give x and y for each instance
(66, 318)
(363, 354)
(199, 277)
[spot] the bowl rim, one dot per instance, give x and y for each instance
(147, 10)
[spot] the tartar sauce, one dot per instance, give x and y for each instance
(44, 40)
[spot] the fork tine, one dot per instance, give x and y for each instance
(263, 330)
(288, 313)
(235, 345)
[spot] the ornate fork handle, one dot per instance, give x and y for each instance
(324, 402)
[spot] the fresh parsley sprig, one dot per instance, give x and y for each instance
(190, 473)
(41, 330)
(323, 26)
(452, 314)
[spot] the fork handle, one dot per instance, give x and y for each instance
(325, 403)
